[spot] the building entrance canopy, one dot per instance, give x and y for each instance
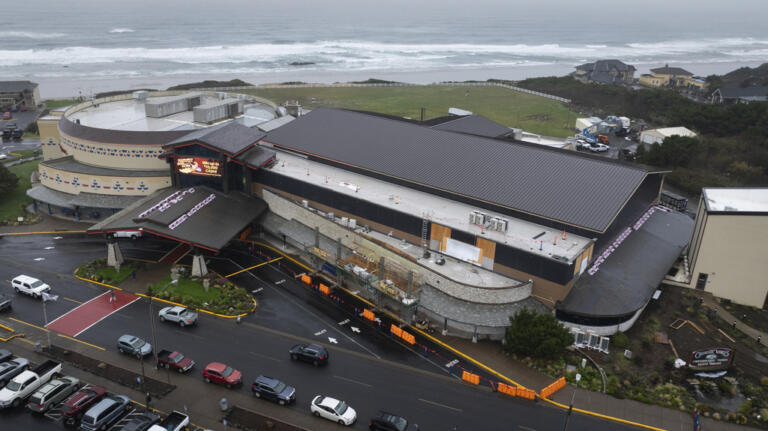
(200, 216)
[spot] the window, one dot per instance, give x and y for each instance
(701, 283)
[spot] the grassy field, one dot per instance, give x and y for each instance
(58, 103)
(510, 108)
(11, 205)
(186, 288)
(110, 276)
(20, 154)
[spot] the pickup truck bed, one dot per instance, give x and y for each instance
(175, 421)
(45, 367)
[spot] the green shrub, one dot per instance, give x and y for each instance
(620, 340)
(540, 335)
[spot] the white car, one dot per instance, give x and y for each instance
(29, 286)
(598, 148)
(182, 316)
(132, 234)
(333, 410)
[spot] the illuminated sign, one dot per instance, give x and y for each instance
(191, 211)
(199, 166)
(711, 359)
(166, 203)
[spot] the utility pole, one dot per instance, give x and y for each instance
(47, 297)
(573, 397)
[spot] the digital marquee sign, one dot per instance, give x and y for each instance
(199, 166)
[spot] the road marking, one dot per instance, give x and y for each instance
(280, 282)
(353, 381)
(189, 334)
(319, 333)
(50, 247)
(343, 322)
(526, 428)
(82, 342)
(355, 329)
(81, 304)
(253, 267)
(452, 363)
(73, 300)
(94, 323)
(265, 357)
(28, 324)
(58, 237)
(38, 259)
(440, 405)
(332, 340)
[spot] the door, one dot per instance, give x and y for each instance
(701, 283)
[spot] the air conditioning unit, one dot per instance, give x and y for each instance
(479, 218)
(353, 223)
(331, 217)
(344, 221)
(494, 224)
(503, 225)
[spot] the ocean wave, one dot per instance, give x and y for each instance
(29, 35)
(122, 30)
(366, 55)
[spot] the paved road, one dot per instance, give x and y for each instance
(367, 369)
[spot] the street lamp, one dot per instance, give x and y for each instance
(573, 397)
(47, 297)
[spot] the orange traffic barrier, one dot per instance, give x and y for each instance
(368, 314)
(526, 393)
(306, 279)
(506, 389)
(325, 289)
(552, 388)
(396, 330)
(410, 339)
(469, 377)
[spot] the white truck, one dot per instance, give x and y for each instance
(176, 421)
(29, 286)
(26, 383)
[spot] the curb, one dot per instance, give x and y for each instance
(469, 358)
(42, 233)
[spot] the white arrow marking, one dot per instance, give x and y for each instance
(38, 259)
(332, 340)
(280, 282)
(344, 322)
(318, 333)
(58, 237)
(50, 248)
(355, 329)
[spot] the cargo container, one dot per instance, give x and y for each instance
(215, 111)
(165, 106)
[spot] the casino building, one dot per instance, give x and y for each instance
(452, 220)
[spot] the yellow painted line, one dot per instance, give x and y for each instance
(44, 233)
(9, 329)
(440, 405)
(282, 254)
(21, 338)
(602, 416)
(96, 282)
(28, 324)
(141, 260)
(254, 266)
(82, 342)
(73, 300)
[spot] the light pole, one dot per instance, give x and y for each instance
(47, 297)
(573, 397)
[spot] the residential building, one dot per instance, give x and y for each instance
(605, 72)
(728, 249)
(674, 77)
(19, 93)
(657, 136)
(740, 94)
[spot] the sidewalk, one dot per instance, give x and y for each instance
(49, 224)
(492, 355)
(712, 303)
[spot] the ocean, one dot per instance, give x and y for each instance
(81, 47)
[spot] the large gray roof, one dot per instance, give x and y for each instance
(736, 92)
(605, 66)
(474, 125)
(628, 277)
(69, 164)
(551, 183)
(230, 138)
(16, 86)
(83, 200)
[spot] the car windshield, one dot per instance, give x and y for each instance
(176, 359)
(279, 387)
(399, 423)
(66, 409)
(37, 283)
(341, 408)
(227, 372)
(137, 343)
(13, 386)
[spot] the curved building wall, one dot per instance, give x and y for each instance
(113, 155)
(75, 183)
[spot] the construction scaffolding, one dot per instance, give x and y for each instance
(385, 275)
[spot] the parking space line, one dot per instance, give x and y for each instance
(72, 300)
(28, 324)
(82, 342)
(440, 405)
(353, 381)
(265, 357)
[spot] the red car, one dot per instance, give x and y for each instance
(7, 115)
(78, 403)
(219, 373)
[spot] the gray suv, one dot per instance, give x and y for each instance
(104, 413)
(52, 393)
(133, 346)
(11, 369)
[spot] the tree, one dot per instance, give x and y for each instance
(537, 334)
(8, 181)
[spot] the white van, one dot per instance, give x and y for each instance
(29, 286)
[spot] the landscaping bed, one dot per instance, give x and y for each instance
(221, 297)
(99, 271)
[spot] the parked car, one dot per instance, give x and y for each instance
(141, 422)
(11, 369)
(76, 405)
(5, 355)
(175, 360)
(133, 345)
(5, 303)
(176, 421)
(219, 373)
(598, 147)
(7, 115)
(182, 316)
(312, 353)
(273, 390)
(26, 383)
(384, 421)
(333, 410)
(132, 234)
(105, 412)
(29, 286)
(52, 393)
